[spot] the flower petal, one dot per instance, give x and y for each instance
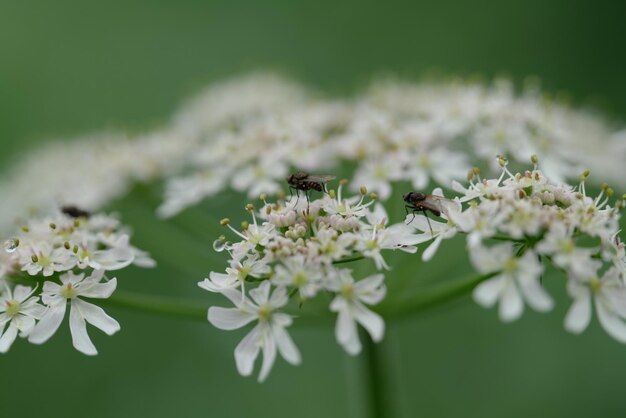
(247, 351)
(7, 338)
(99, 290)
(511, 303)
(346, 332)
(578, 315)
(371, 321)
(48, 324)
(269, 356)
(229, 318)
(96, 316)
(429, 253)
(80, 338)
(536, 296)
(611, 323)
(486, 293)
(286, 346)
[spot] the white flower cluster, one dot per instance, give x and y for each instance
(246, 133)
(297, 252)
(56, 260)
(92, 170)
(539, 220)
(395, 132)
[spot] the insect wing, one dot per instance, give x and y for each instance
(438, 203)
(320, 179)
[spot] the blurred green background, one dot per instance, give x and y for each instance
(73, 67)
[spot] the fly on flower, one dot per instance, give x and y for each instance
(75, 212)
(307, 182)
(424, 203)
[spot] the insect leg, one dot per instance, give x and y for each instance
(413, 210)
(297, 198)
(428, 220)
(308, 201)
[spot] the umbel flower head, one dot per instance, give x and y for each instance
(514, 226)
(541, 221)
(63, 258)
(295, 253)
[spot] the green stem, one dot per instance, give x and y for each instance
(349, 259)
(376, 379)
(181, 308)
(161, 305)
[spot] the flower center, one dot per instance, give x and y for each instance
(380, 173)
(300, 279)
(68, 291)
(13, 307)
(371, 245)
(264, 312)
(347, 291)
(43, 261)
(595, 284)
(567, 246)
(424, 161)
(510, 265)
(243, 272)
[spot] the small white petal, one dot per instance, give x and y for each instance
(78, 327)
(48, 324)
(536, 296)
(96, 316)
(8, 338)
(99, 290)
(429, 253)
(261, 294)
(286, 346)
(511, 304)
(611, 323)
(229, 318)
(371, 321)
(247, 351)
(346, 332)
(269, 356)
(486, 293)
(578, 315)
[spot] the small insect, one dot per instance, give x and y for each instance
(307, 182)
(420, 202)
(75, 212)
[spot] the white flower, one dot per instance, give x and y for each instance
(516, 281)
(560, 244)
(350, 308)
(18, 312)
(396, 237)
(119, 255)
(41, 257)
(443, 165)
(299, 273)
(260, 177)
(432, 230)
(377, 174)
(609, 296)
(268, 335)
(72, 287)
(183, 192)
(236, 274)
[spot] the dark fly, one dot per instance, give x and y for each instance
(424, 203)
(75, 212)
